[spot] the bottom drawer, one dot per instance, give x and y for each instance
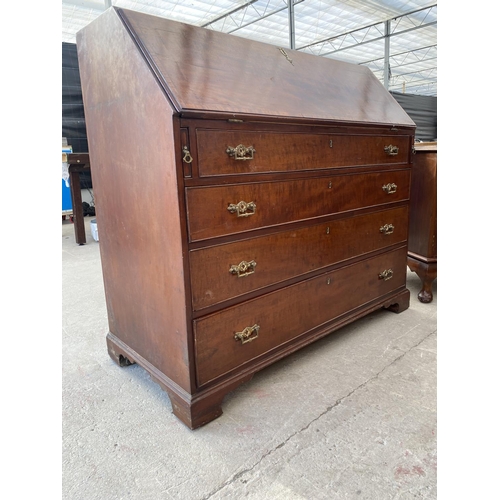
(234, 336)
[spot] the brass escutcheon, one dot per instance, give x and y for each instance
(243, 269)
(387, 229)
(243, 209)
(390, 188)
(187, 155)
(241, 152)
(248, 334)
(286, 55)
(391, 150)
(386, 275)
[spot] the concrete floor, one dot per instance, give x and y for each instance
(352, 416)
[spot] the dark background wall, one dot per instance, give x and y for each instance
(73, 117)
(423, 111)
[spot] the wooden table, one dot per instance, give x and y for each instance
(422, 236)
(78, 162)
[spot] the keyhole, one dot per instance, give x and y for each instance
(330, 185)
(331, 143)
(327, 230)
(328, 281)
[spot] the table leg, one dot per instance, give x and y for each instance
(76, 197)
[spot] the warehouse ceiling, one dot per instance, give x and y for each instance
(396, 39)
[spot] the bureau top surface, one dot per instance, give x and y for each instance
(203, 71)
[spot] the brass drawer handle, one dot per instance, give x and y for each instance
(241, 152)
(390, 188)
(243, 209)
(187, 158)
(248, 334)
(391, 150)
(387, 229)
(386, 275)
(243, 269)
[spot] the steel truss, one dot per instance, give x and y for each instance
(248, 14)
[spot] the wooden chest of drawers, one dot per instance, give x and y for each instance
(250, 200)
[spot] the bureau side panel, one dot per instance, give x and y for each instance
(131, 136)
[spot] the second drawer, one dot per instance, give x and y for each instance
(225, 271)
(237, 208)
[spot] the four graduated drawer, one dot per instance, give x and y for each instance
(223, 210)
(228, 339)
(226, 152)
(305, 234)
(233, 269)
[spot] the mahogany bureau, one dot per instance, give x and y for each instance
(250, 200)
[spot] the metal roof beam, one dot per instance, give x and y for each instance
(378, 67)
(431, 90)
(401, 53)
(387, 67)
(263, 17)
(378, 38)
(291, 23)
(420, 71)
(256, 20)
(413, 82)
(417, 62)
(375, 25)
(244, 6)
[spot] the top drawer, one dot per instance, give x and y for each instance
(226, 152)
